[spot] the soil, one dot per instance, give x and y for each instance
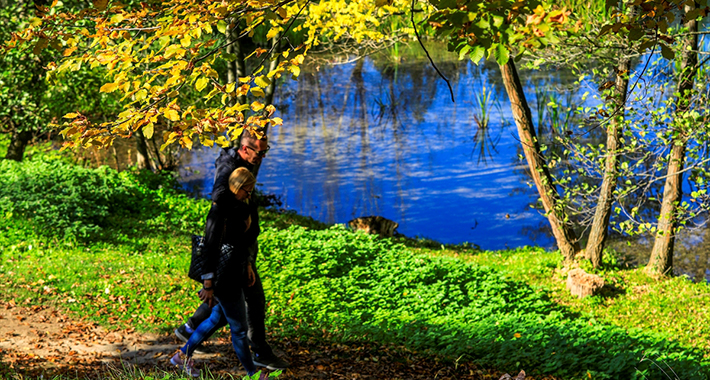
(42, 341)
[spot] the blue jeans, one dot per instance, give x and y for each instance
(230, 310)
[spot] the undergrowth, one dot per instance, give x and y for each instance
(120, 257)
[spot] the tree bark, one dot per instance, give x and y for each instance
(661, 261)
(142, 157)
(561, 229)
(600, 225)
(273, 65)
(18, 143)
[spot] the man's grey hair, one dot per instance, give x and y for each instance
(248, 137)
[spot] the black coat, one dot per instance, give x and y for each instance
(227, 225)
(225, 164)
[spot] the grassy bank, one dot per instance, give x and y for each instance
(114, 247)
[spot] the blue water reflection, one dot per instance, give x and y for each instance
(367, 138)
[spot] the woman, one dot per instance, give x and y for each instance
(223, 279)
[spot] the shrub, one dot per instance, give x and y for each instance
(361, 287)
(70, 201)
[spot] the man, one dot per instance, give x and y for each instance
(252, 149)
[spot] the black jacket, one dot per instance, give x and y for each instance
(225, 164)
(228, 161)
(226, 225)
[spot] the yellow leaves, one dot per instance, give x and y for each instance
(40, 45)
(201, 83)
(117, 18)
(297, 60)
(282, 12)
(222, 142)
(171, 114)
(295, 70)
(273, 32)
(276, 121)
(258, 92)
(100, 4)
(108, 87)
(174, 50)
(211, 73)
(148, 131)
(186, 41)
(141, 94)
(69, 51)
(186, 142)
(257, 106)
(559, 16)
(149, 68)
(262, 81)
(206, 141)
(242, 90)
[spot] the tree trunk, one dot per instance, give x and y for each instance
(239, 65)
(142, 158)
(18, 143)
(563, 232)
(600, 225)
(661, 261)
(273, 65)
(236, 69)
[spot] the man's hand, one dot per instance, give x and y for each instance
(207, 295)
(248, 222)
(251, 276)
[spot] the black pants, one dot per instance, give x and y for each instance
(256, 304)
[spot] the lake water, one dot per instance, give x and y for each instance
(383, 137)
(375, 138)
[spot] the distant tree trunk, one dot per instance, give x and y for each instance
(271, 89)
(661, 261)
(238, 68)
(275, 57)
(600, 225)
(18, 143)
(142, 157)
(561, 229)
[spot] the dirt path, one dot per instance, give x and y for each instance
(40, 340)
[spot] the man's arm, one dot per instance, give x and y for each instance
(224, 166)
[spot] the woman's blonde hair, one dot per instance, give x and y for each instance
(239, 178)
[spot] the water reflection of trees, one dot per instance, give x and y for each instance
(368, 112)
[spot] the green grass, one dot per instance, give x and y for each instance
(502, 309)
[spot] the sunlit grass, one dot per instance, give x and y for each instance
(631, 299)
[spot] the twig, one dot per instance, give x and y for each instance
(414, 25)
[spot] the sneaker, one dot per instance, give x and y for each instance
(271, 362)
(184, 363)
(182, 333)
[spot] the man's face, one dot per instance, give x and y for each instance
(254, 151)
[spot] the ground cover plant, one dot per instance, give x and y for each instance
(123, 264)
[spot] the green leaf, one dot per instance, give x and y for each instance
(666, 52)
(222, 27)
(477, 54)
(463, 51)
(229, 57)
(635, 34)
(501, 54)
